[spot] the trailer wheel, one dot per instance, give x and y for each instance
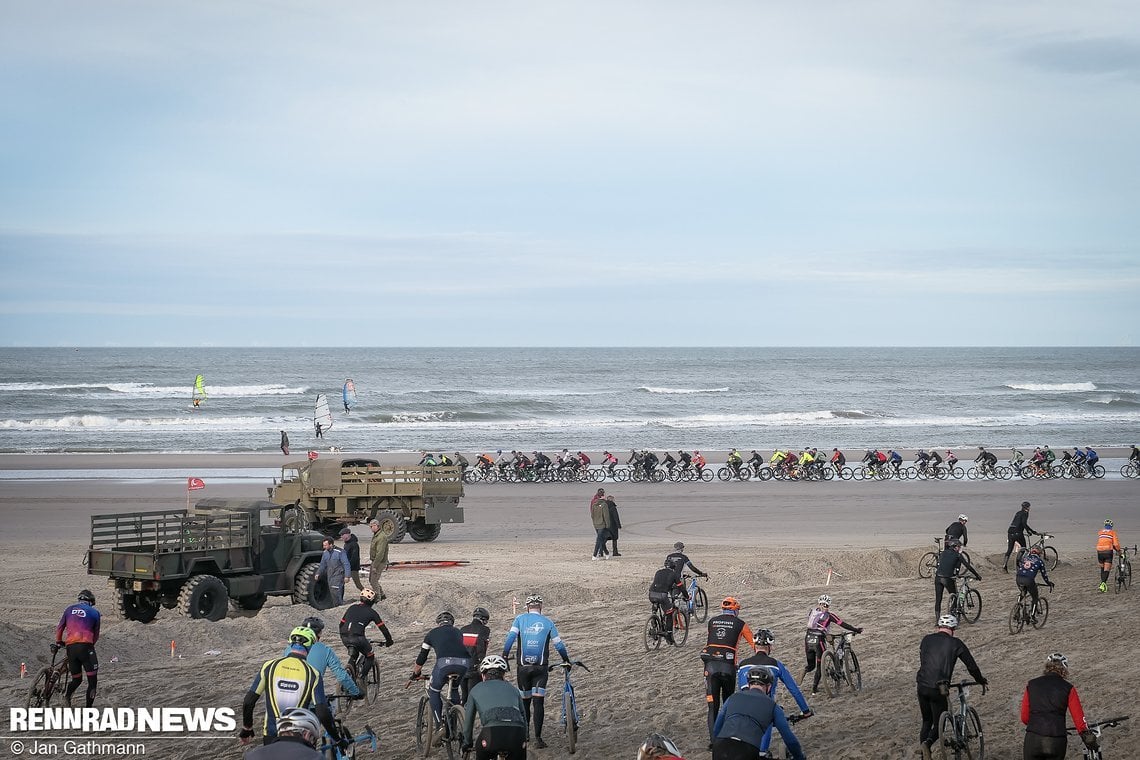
(204, 596)
(308, 590)
(133, 606)
(393, 524)
(421, 531)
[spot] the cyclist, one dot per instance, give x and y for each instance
(950, 566)
(735, 461)
(499, 706)
(921, 460)
(937, 654)
(649, 462)
(1027, 569)
(322, 657)
(669, 463)
(746, 717)
(699, 462)
(819, 620)
(686, 460)
(484, 462)
(609, 462)
(288, 682)
(1134, 456)
(1017, 531)
(1037, 460)
(806, 460)
(583, 460)
(1043, 707)
(476, 637)
(838, 460)
(935, 461)
(535, 633)
(985, 461)
(658, 747)
(666, 582)
(896, 461)
(78, 630)
(1106, 543)
(756, 461)
(299, 734)
(354, 628)
(679, 561)
(764, 659)
(778, 459)
(951, 459)
(1091, 458)
(957, 530)
(1050, 458)
(451, 658)
(721, 655)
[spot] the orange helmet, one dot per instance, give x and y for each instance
(730, 603)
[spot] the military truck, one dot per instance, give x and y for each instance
(202, 560)
(328, 492)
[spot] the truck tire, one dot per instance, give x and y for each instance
(137, 607)
(252, 602)
(308, 590)
(295, 519)
(394, 524)
(421, 531)
(204, 596)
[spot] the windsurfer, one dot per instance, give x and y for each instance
(320, 430)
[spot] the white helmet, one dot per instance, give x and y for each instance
(1058, 658)
(963, 517)
(493, 662)
(298, 720)
(948, 621)
(534, 599)
(824, 599)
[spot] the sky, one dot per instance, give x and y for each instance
(735, 173)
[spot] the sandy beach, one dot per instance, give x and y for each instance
(771, 545)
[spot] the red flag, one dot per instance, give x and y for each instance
(194, 484)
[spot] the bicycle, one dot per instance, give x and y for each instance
(48, 682)
(960, 732)
(1123, 577)
(698, 604)
(369, 677)
(1048, 553)
(729, 472)
(929, 562)
(1026, 612)
(1130, 470)
(335, 752)
(429, 733)
(841, 665)
(570, 716)
(657, 626)
(1097, 728)
(967, 603)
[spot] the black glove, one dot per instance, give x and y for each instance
(704, 575)
(858, 630)
(1090, 739)
(246, 733)
(355, 697)
(983, 681)
(1051, 585)
(389, 643)
(56, 646)
(344, 744)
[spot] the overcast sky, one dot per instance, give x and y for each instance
(569, 173)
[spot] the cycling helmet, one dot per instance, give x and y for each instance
(298, 720)
(315, 624)
(1024, 505)
(1035, 550)
(948, 621)
(367, 595)
(730, 603)
(445, 618)
(759, 675)
(86, 596)
(824, 599)
(480, 613)
(1107, 523)
(679, 546)
(963, 518)
(1058, 658)
(655, 744)
(304, 636)
(763, 638)
(493, 662)
(534, 599)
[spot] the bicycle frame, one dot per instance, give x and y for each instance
(959, 720)
(1097, 729)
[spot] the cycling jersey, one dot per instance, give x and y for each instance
(780, 674)
(726, 631)
(286, 682)
(1028, 568)
(937, 655)
(535, 633)
(358, 617)
(957, 531)
(1020, 523)
(821, 620)
(745, 718)
(950, 562)
(678, 560)
(79, 625)
(497, 703)
(1106, 541)
(838, 458)
(699, 460)
(664, 581)
(1044, 703)
(447, 641)
(323, 658)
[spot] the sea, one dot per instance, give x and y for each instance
(138, 400)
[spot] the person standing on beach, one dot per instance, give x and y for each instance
(1107, 542)
(600, 516)
(352, 549)
(937, 654)
(601, 494)
(284, 443)
(378, 555)
(1018, 528)
(614, 526)
(334, 568)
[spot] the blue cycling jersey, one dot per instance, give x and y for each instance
(535, 633)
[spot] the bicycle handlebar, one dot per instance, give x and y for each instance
(1110, 723)
(568, 665)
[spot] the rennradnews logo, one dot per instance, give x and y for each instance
(122, 719)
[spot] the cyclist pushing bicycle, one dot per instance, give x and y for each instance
(678, 560)
(1043, 707)
(815, 641)
(1107, 542)
(78, 630)
(937, 655)
(535, 633)
(499, 706)
(299, 734)
(763, 658)
(666, 582)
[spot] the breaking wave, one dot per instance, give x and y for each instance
(1062, 387)
(650, 389)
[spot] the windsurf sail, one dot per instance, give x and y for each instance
(322, 417)
(198, 395)
(348, 394)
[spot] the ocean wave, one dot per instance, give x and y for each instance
(158, 391)
(650, 389)
(102, 422)
(1062, 387)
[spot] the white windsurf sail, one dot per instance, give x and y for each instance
(322, 417)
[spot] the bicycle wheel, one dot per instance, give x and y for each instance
(680, 626)
(973, 606)
(1016, 621)
(707, 475)
(972, 735)
(453, 719)
(927, 564)
(700, 606)
(1042, 615)
(832, 674)
(372, 681)
(571, 712)
(40, 692)
(852, 673)
(724, 474)
(947, 738)
(652, 633)
(425, 727)
(1128, 471)
(1123, 576)
(1049, 554)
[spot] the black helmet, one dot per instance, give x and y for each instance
(480, 613)
(315, 624)
(1024, 504)
(679, 546)
(86, 596)
(759, 674)
(445, 618)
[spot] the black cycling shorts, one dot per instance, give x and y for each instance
(360, 643)
(532, 679)
(494, 739)
(1102, 557)
(81, 658)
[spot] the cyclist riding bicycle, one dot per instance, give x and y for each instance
(935, 461)
(499, 707)
(658, 747)
(756, 461)
(820, 618)
(937, 654)
(1017, 531)
(476, 637)
(78, 631)
(322, 657)
(1091, 459)
(699, 462)
(957, 530)
(721, 655)
(895, 460)
(451, 658)
(951, 459)
(951, 563)
(289, 682)
(609, 461)
(763, 658)
(1134, 456)
(1106, 543)
(354, 627)
(669, 462)
(747, 715)
(1043, 706)
(535, 633)
(1032, 564)
(838, 460)
(649, 462)
(735, 461)
(299, 734)
(985, 460)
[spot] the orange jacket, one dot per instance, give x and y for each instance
(1107, 541)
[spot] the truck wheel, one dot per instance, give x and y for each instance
(132, 606)
(295, 519)
(308, 590)
(251, 602)
(204, 596)
(393, 524)
(421, 531)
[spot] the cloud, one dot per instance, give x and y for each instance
(1086, 56)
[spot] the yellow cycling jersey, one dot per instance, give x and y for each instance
(287, 682)
(806, 458)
